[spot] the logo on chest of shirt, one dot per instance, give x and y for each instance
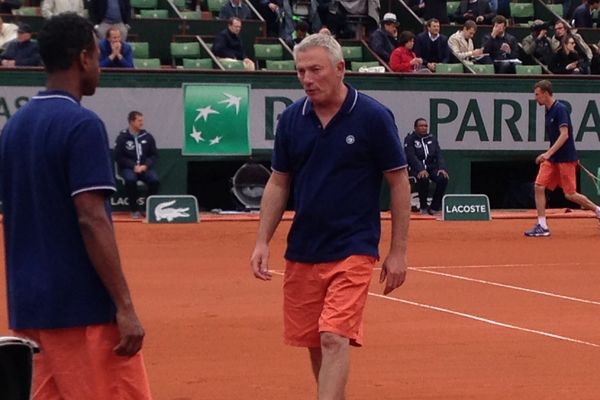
(129, 145)
(350, 139)
(417, 144)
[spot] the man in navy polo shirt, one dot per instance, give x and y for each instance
(334, 146)
(558, 165)
(66, 288)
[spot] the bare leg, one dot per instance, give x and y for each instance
(315, 361)
(540, 200)
(582, 200)
(335, 362)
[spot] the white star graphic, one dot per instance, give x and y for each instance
(232, 101)
(215, 140)
(197, 135)
(204, 113)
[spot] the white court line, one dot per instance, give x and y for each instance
(499, 265)
(474, 317)
(519, 288)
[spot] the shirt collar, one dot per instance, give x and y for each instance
(433, 39)
(55, 94)
(347, 106)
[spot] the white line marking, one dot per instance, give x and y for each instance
(488, 321)
(474, 317)
(549, 294)
(500, 265)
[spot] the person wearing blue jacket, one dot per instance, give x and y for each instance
(115, 53)
(136, 155)
(426, 163)
(432, 46)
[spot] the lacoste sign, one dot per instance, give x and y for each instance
(172, 209)
(466, 207)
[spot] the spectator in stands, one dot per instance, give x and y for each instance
(8, 32)
(403, 59)
(426, 163)
(278, 16)
(431, 46)
(385, 39)
(479, 11)
(461, 43)
(300, 31)
(114, 52)
(595, 64)
(22, 52)
(110, 13)
(538, 44)
(228, 44)
(501, 46)
(582, 16)
(136, 155)
(566, 60)
(561, 29)
(235, 8)
(51, 8)
(7, 6)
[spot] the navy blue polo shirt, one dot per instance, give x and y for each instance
(557, 116)
(51, 150)
(336, 176)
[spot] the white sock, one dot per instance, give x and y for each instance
(542, 222)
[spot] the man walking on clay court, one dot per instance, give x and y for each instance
(558, 165)
(334, 146)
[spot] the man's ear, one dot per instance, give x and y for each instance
(83, 59)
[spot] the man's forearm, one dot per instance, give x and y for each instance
(272, 206)
(400, 210)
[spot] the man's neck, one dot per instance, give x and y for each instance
(327, 110)
(64, 81)
(550, 103)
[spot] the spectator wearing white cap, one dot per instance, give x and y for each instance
(385, 39)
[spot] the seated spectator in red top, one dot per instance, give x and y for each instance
(403, 59)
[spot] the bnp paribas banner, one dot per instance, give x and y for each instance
(216, 119)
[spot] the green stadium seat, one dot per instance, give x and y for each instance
(281, 65)
(144, 4)
(179, 4)
(146, 63)
(357, 65)
(185, 49)
(214, 6)
(352, 53)
(452, 7)
(268, 51)
(140, 49)
(198, 63)
(191, 14)
(154, 13)
(556, 9)
(443, 68)
(232, 64)
(528, 69)
(521, 12)
(483, 68)
(28, 11)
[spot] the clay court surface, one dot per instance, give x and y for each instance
(485, 313)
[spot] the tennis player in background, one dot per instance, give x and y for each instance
(558, 165)
(335, 146)
(66, 289)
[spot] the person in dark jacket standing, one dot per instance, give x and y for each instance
(426, 164)
(136, 155)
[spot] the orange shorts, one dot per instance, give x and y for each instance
(563, 174)
(325, 297)
(79, 363)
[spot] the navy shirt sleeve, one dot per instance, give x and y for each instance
(562, 117)
(280, 160)
(89, 166)
(388, 147)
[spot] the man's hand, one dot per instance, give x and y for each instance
(505, 48)
(477, 53)
(431, 67)
(260, 262)
(393, 272)
(423, 174)
(115, 50)
(132, 333)
(273, 7)
(542, 157)
(443, 173)
(8, 63)
(479, 19)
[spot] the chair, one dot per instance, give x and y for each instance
(140, 49)
(528, 69)
(483, 68)
(442, 68)
(28, 11)
(214, 6)
(355, 66)
(144, 4)
(556, 9)
(184, 50)
(146, 63)
(281, 65)
(197, 63)
(179, 4)
(232, 64)
(521, 12)
(452, 7)
(190, 14)
(16, 367)
(352, 53)
(268, 51)
(154, 13)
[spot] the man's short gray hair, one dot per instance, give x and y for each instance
(323, 40)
